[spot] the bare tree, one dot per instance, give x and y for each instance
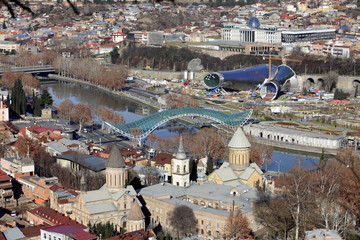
(151, 175)
(298, 198)
(181, 101)
(260, 154)
(182, 220)
(108, 115)
(81, 114)
(237, 225)
(273, 213)
(65, 109)
(330, 81)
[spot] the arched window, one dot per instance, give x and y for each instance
(177, 168)
(185, 169)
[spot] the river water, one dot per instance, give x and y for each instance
(282, 160)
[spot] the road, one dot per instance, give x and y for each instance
(103, 138)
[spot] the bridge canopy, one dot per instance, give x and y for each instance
(148, 124)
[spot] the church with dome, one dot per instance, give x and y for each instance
(239, 169)
(115, 202)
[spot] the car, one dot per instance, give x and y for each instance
(13, 213)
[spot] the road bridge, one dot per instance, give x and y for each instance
(29, 69)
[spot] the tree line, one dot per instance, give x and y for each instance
(177, 58)
(83, 114)
(88, 69)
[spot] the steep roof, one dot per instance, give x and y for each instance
(115, 159)
(239, 140)
(181, 152)
(135, 212)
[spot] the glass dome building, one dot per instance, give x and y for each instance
(253, 22)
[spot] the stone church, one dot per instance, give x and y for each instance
(238, 169)
(114, 202)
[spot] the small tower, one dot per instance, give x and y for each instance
(82, 183)
(135, 218)
(116, 172)
(239, 150)
(180, 167)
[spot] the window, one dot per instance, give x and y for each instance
(44, 235)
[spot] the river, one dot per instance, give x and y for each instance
(282, 160)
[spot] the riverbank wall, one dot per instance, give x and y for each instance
(125, 94)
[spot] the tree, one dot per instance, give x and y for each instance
(260, 154)
(349, 172)
(81, 114)
(106, 230)
(182, 220)
(108, 115)
(339, 94)
(330, 81)
(36, 106)
(209, 166)
(114, 55)
(273, 213)
(151, 175)
(237, 225)
(18, 99)
(45, 98)
(298, 198)
(65, 109)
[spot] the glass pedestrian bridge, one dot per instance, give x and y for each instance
(140, 129)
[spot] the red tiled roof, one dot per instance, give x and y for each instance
(53, 216)
(33, 231)
(162, 158)
(71, 230)
(118, 34)
(44, 129)
(3, 176)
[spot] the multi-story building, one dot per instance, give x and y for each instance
(18, 167)
(44, 215)
(62, 199)
(9, 46)
(5, 188)
(37, 188)
(307, 35)
(66, 232)
(253, 32)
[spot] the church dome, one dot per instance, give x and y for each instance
(253, 22)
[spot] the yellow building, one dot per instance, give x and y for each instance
(238, 169)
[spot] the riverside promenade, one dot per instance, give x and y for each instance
(130, 95)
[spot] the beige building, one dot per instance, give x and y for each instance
(8, 46)
(113, 202)
(238, 169)
(230, 187)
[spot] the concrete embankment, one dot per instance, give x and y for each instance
(125, 94)
(294, 147)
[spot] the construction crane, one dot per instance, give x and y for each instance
(283, 59)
